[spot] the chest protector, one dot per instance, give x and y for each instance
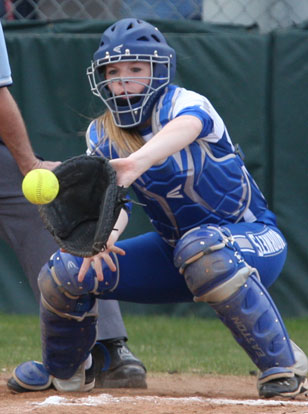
(193, 187)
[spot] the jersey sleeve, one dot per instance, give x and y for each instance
(5, 70)
(192, 103)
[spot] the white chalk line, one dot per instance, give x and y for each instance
(104, 399)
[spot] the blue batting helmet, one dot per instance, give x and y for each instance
(132, 40)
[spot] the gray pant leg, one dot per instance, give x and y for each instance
(22, 229)
(110, 323)
(20, 224)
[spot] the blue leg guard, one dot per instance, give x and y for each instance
(216, 273)
(68, 319)
(65, 343)
(256, 324)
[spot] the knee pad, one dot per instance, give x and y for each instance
(216, 273)
(211, 263)
(61, 292)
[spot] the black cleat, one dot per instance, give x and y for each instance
(284, 387)
(116, 366)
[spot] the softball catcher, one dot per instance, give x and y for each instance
(215, 240)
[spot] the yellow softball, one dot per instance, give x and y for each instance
(40, 186)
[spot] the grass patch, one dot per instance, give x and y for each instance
(164, 344)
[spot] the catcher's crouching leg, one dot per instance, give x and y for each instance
(68, 328)
(216, 273)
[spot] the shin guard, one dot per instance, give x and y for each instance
(68, 312)
(256, 324)
(216, 273)
(66, 343)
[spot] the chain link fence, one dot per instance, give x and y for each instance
(267, 14)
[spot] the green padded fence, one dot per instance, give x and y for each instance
(256, 82)
(289, 124)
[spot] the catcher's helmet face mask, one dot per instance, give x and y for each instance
(127, 80)
(132, 40)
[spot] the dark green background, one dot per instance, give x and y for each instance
(257, 82)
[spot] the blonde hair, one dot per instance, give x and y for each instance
(125, 141)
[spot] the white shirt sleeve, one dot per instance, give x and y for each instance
(5, 70)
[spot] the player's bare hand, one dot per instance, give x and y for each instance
(47, 165)
(127, 171)
(97, 261)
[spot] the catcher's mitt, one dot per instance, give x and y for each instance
(84, 213)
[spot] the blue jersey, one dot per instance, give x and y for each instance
(204, 183)
(5, 70)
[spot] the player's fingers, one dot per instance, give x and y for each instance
(98, 268)
(50, 165)
(109, 262)
(117, 250)
(86, 263)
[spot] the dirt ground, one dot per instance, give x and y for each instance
(166, 394)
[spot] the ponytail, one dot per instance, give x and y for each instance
(125, 141)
